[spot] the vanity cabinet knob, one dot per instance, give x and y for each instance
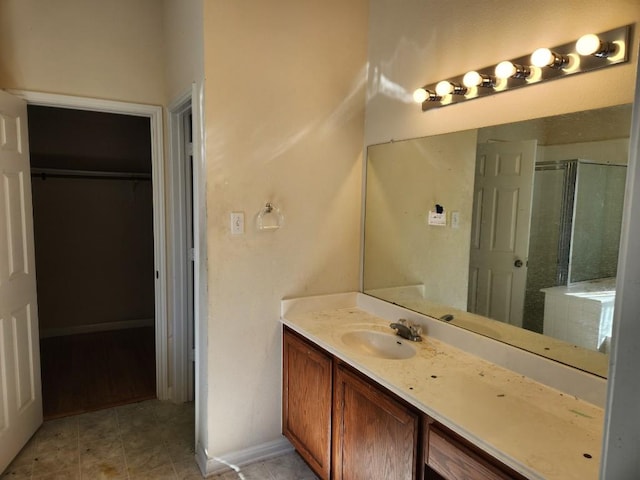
(518, 263)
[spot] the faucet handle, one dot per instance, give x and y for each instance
(407, 329)
(409, 324)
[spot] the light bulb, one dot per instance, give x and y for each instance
(420, 95)
(542, 57)
(505, 69)
(591, 44)
(444, 88)
(588, 44)
(474, 79)
(471, 79)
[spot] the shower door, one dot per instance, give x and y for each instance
(575, 228)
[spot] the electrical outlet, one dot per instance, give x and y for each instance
(237, 223)
(437, 219)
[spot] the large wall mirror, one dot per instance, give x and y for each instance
(529, 248)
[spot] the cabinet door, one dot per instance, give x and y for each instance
(306, 401)
(374, 435)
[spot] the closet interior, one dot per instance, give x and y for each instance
(93, 228)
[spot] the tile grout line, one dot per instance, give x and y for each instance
(165, 443)
(124, 452)
(78, 444)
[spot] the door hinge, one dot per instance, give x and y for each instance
(192, 355)
(191, 253)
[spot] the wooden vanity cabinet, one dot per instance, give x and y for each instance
(450, 457)
(375, 436)
(324, 403)
(306, 401)
(348, 427)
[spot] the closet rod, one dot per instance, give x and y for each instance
(65, 173)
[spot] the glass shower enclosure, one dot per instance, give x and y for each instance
(575, 228)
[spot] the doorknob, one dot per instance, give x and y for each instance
(518, 263)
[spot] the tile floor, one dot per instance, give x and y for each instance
(286, 467)
(146, 440)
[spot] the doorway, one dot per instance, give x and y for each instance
(169, 350)
(93, 224)
(183, 231)
(171, 344)
(164, 354)
(500, 229)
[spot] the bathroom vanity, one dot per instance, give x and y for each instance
(361, 402)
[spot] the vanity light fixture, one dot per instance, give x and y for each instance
(590, 52)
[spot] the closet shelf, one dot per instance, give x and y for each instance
(67, 173)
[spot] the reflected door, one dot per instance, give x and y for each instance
(500, 230)
(20, 390)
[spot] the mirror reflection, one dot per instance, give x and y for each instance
(528, 250)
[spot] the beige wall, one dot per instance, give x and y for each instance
(284, 123)
(421, 41)
(92, 48)
(183, 42)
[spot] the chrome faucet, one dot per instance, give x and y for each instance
(408, 330)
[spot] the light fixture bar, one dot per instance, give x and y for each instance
(525, 73)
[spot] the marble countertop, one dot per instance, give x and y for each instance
(539, 431)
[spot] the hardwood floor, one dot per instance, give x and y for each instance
(82, 373)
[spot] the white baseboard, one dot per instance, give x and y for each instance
(234, 460)
(96, 327)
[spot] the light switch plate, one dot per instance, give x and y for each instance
(455, 219)
(237, 223)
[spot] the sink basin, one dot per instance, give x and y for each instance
(378, 344)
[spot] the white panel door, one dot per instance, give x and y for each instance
(500, 229)
(20, 387)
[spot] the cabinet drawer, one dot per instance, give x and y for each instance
(453, 460)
